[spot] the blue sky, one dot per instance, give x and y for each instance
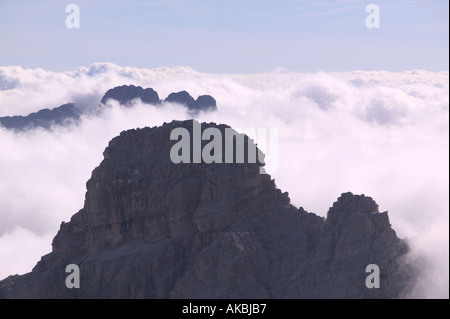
(227, 36)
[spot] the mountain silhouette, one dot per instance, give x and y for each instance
(124, 94)
(44, 118)
(150, 228)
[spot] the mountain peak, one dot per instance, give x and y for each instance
(151, 228)
(124, 94)
(349, 205)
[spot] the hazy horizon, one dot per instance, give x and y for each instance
(231, 37)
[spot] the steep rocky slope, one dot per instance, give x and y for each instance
(154, 229)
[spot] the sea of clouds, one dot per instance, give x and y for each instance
(379, 133)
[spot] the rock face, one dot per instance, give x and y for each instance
(45, 118)
(154, 229)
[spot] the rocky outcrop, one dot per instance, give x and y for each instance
(154, 229)
(181, 97)
(45, 118)
(126, 93)
(203, 102)
(206, 102)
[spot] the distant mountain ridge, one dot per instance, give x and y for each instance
(44, 118)
(125, 94)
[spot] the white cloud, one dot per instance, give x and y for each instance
(379, 133)
(18, 246)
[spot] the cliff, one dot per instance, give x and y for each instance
(150, 228)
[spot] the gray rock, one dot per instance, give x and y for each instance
(154, 229)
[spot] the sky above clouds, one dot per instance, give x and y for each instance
(357, 109)
(227, 36)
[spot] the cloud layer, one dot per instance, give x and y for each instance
(379, 133)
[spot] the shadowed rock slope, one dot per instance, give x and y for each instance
(154, 229)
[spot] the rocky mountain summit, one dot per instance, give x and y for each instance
(150, 228)
(202, 103)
